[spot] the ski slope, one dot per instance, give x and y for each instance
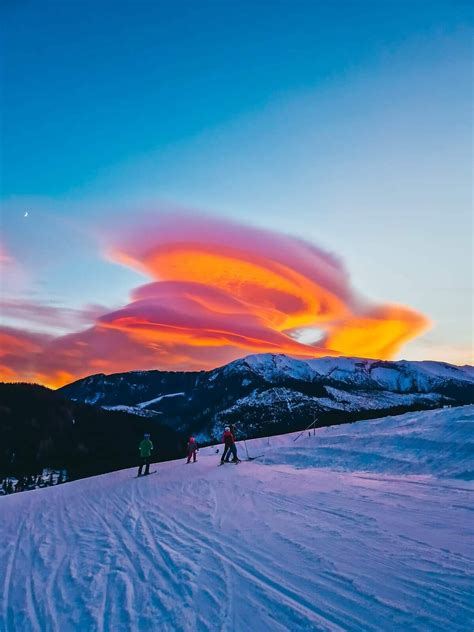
(359, 527)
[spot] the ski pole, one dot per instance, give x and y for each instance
(246, 449)
(245, 444)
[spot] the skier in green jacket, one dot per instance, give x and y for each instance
(145, 448)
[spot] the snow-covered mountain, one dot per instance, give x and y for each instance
(366, 526)
(403, 376)
(269, 393)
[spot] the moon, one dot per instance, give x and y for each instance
(26, 214)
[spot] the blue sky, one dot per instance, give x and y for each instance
(347, 123)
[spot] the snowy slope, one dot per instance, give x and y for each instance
(134, 410)
(158, 399)
(359, 527)
(141, 408)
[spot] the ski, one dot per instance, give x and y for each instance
(143, 475)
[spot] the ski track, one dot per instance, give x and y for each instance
(262, 546)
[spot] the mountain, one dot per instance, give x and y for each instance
(40, 428)
(267, 394)
(366, 526)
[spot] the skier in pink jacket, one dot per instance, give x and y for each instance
(192, 449)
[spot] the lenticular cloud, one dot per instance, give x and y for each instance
(218, 283)
(219, 290)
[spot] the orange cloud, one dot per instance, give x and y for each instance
(378, 333)
(218, 291)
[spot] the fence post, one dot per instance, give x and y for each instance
(312, 424)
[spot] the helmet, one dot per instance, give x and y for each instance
(147, 435)
(192, 440)
(227, 429)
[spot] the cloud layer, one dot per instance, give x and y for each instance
(218, 291)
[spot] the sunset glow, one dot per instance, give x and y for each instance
(218, 291)
(182, 186)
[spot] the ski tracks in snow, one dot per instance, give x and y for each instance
(253, 547)
(9, 560)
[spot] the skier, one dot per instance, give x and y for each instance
(145, 448)
(192, 449)
(229, 446)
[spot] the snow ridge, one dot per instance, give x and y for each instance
(401, 376)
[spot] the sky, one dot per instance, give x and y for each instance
(184, 183)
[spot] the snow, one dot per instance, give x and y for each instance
(272, 365)
(140, 409)
(158, 399)
(365, 526)
(373, 400)
(94, 399)
(400, 376)
(436, 443)
(134, 410)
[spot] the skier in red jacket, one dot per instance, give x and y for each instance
(192, 449)
(229, 446)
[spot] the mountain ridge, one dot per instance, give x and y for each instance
(263, 390)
